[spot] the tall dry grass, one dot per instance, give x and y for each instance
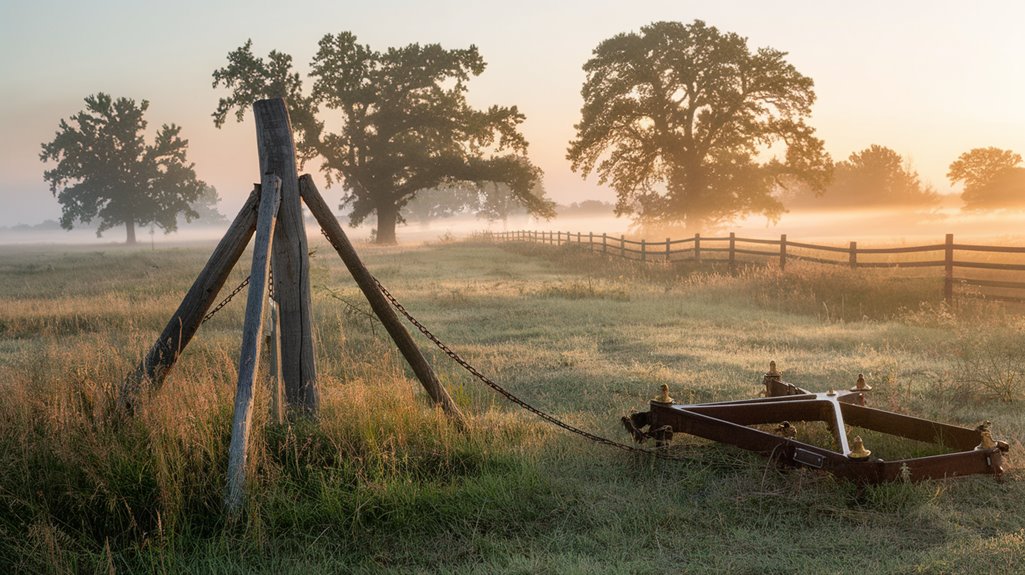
(381, 482)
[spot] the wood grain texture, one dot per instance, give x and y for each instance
(290, 259)
(196, 303)
(380, 305)
(248, 361)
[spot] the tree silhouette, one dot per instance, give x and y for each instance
(874, 177)
(678, 118)
(405, 123)
(992, 178)
(105, 170)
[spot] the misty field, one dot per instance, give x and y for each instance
(381, 482)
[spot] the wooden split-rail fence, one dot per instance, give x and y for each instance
(726, 249)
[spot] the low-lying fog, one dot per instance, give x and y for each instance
(834, 227)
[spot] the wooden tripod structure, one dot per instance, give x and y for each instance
(273, 213)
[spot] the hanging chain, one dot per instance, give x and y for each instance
(234, 292)
(509, 395)
(225, 301)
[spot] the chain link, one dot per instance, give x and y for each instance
(225, 301)
(509, 395)
(476, 373)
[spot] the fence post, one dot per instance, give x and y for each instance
(578, 238)
(854, 255)
(590, 241)
(622, 245)
(290, 258)
(604, 243)
(644, 250)
(948, 280)
(697, 248)
(783, 252)
(668, 252)
(733, 253)
(249, 356)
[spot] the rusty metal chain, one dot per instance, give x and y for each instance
(234, 292)
(225, 301)
(509, 395)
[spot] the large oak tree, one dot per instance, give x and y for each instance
(405, 124)
(689, 125)
(105, 170)
(993, 178)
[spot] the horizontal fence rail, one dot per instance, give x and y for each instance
(725, 249)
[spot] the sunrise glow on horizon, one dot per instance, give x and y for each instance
(929, 80)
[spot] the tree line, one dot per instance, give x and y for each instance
(687, 124)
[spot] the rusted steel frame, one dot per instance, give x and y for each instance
(951, 436)
(819, 408)
(726, 422)
(708, 427)
(948, 465)
(765, 412)
(776, 399)
(689, 419)
(775, 387)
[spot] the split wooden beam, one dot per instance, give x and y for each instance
(249, 358)
(333, 230)
(290, 259)
(197, 302)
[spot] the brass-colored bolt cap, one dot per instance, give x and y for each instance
(987, 441)
(663, 397)
(831, 392)
(861, 385)
(858, 450)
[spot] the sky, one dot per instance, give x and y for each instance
(930, 79)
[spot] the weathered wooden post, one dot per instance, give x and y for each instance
(290, 259)
(590, 241)
(783, 252)
(336, 236)
(197, 301)
(668, 252)
(249, 358)
(697, 248)
(853, 257)
(733, 253)
(644, 250)
(622, 245)
(948, 268)
(604, 243)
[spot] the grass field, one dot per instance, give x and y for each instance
(381, 483)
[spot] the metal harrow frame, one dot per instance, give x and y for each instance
(972, 451)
